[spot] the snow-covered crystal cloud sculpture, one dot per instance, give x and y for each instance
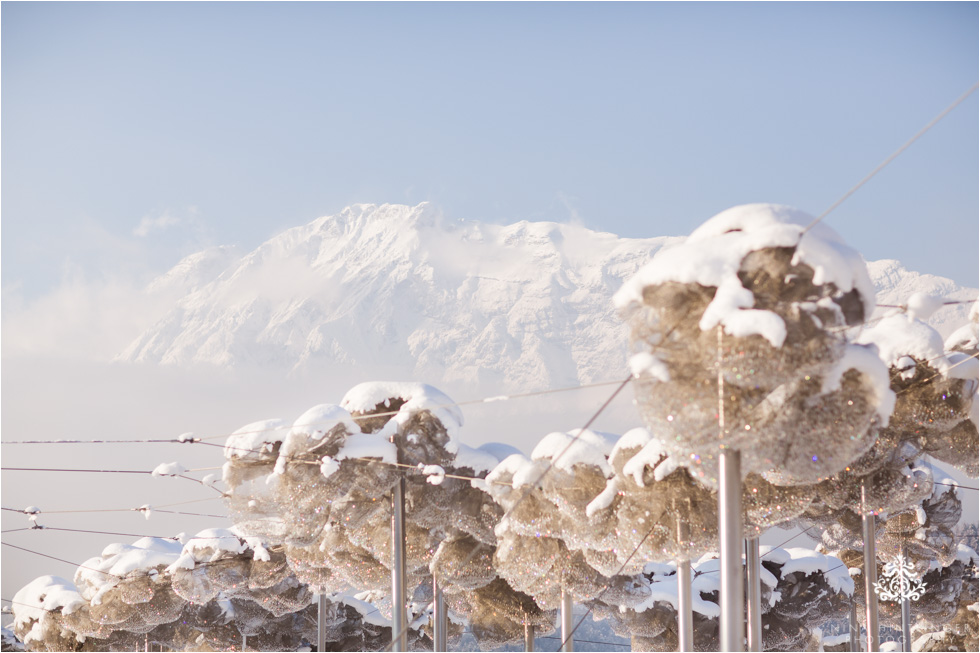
(557, 527)
(319, 490)
(756, 299)
(40, 608)
(935, 406)
(935, 387)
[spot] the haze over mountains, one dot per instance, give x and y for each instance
(519, 307)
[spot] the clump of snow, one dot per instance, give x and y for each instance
(252, 440)
(100, 574)
(315, 424)
(168, 469)
(369, 613)
(434, 474)
(369, 445)
(328, 466)
(366, 397)
(516, 468)
(966, 554)
(705, 579)
(211, 542)
(712, 254)
(921, 306)
(649, 456)
(967, 337)
(635, 438)
(864, 360)
(565, 450)
(32, 512)
(320, 419)
(646, 363)
(482, 458)
(808, 562)
(604, 499)
(42, 595)
(186, 437)
(901, 335)
(144, 554)
(208, 545)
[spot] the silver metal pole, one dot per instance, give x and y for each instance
(906, 613)
(732, 622)
(399, 613)
(870, 574)
(854, 628)
(567, 642)
(244, 642)
(321, 622)
(528, 636)
(906, 626)
(753, 565)
(440, 620)
(685, 614)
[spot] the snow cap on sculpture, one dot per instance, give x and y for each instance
(936, 390)
(763, 300)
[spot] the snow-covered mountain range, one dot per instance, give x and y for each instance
(523, 306)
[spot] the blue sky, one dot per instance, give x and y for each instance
(226, 123)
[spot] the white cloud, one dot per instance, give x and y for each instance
(148, 224)
(80, 319)
(574, 217)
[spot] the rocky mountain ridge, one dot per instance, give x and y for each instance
(522, 306)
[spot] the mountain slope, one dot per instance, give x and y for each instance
(523, 306)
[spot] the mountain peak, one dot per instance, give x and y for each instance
(359, 216)
(522, 306)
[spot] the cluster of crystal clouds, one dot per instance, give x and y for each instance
(207, 591)
(747, 336)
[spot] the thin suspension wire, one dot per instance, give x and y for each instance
(905, 306)
(29, 605)
(44, 555)
(530, 488)
(894, 155)
(587, 641)
(136, 535)
(78, 530)
(201, 440)
(111, 471)
(150, 509)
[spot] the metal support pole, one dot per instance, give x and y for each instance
(732, 622)
(685, 614)
(870, 574)
(753, 566)
(440, 620)
(567, 643)
(854, 628)
(244, 642)
(399, 613)
(906, 626)
(906, 613)
(528, 636)
(321, 622)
